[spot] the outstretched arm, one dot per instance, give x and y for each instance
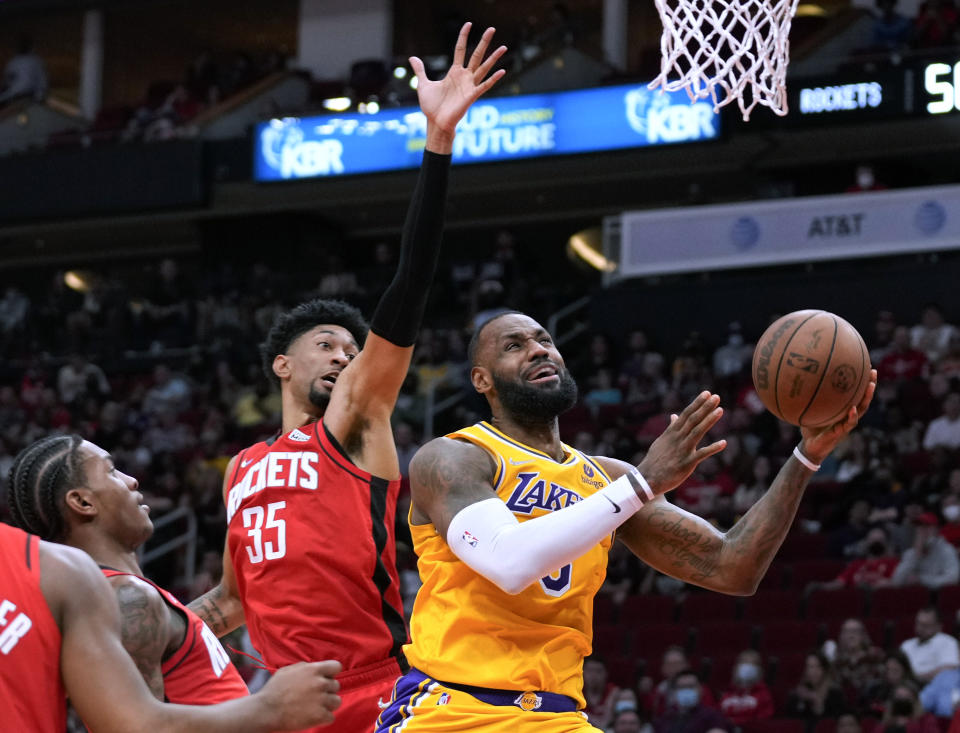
(360, 406)
(451, 483)
(220, 607)
(687, 547)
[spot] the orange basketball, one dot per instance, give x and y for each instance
(810, 367)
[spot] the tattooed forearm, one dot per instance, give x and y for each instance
(215, 609)
(688, 548)
(446, 476)
(690, 551)
(145, 631)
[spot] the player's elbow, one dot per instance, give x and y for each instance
(511, 583)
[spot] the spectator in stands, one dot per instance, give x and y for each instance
(931, 651)
(945, 430)
(872, 571)
(932, 335)
(891, 30)
(406, 446)
(941, 695)
(936, 24)
(883, 327)
(623, 573)
(817, 695)
(629, 721)
(623, 700)
(950, 509)
(25, 75)
(602, 390)
(686, 712)
(730, 359)
(598, 690)
(13, 314)
(845, 541)
(848, 723)
(491, 302)
(932, 561)
(656, 697)
(902, 362)
(896, 670)
(170, 392)
(748, 698)
(904, 714)
(79, 378)
(865, 180)
(857, 662)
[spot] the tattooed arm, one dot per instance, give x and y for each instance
(687, 547)
(149, 628)
(220, 607)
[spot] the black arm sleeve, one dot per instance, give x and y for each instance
(400, 310)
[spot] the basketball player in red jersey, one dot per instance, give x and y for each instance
(310, 559)
(60, 634)
(98, 509)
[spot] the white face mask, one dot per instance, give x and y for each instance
(951, 513)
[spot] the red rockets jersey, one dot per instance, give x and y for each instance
(200, 671)
(31, 690)
(311, 537)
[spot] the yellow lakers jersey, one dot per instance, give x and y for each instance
(465, 630)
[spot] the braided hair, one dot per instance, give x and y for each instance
(40, 477)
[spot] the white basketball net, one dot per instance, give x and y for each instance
(723, 48)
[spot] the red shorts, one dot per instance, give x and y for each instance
(361, 691)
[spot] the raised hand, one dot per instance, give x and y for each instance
(674, 455)
(446, 101)
(818, 443)
(303, 694)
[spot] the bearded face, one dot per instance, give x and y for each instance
(532, 403)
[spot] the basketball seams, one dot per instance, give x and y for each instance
(783, 354)
(864, 369)
(826, 368)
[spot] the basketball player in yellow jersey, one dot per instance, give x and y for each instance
(512, 528)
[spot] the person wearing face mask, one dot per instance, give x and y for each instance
(904, 714)
(629, 721)
(932, 561)
(748, 697)
(687, 713)
(874, 570)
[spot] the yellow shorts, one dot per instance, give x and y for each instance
(423, 705)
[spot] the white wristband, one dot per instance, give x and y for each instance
(804, 460)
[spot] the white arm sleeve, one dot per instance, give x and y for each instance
(511, 554)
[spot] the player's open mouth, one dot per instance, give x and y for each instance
(330, 378)
(145, 507)
(545, 374)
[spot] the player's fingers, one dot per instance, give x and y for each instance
(460, 50)
(868, 393)
(704, 412)
(709, 450)
(477, 56)
(417, 65)
(485, 67)
(483, 88)
(331, 701)
(327, 667)
(698, 402)
(674, 417)
(703, 427)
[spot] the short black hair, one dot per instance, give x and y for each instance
(291, 325)
(474, 344)
(42, 473)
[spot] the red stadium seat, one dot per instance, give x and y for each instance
(802, 546)
(611, 640)
(777, 576)
(717, 669)
(793, 636)
(876, 629)
(823, 605)
(826, 725)
(809, 571)
(893, 603)
(698, 607)
(948, 602)
(652, 639)
(772, 605)
(903, 629)
(721, 637)
(604, 609)
(773, 725)
(648, 610)
(622, 671)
